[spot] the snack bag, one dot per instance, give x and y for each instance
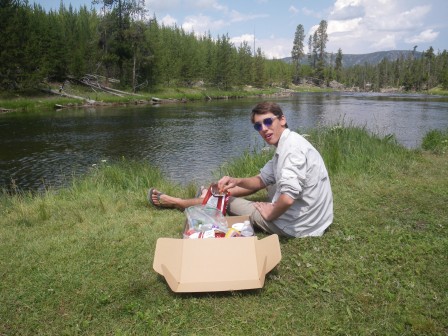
(204, 221)
(216, 199)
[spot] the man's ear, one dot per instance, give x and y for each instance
(283, 120)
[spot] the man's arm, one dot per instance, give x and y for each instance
(240, 186)
(271, 211)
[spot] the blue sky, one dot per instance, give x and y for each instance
(355, 26)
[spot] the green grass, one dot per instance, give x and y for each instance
(35, 100)
(78, 261)
(436, 141)
(438, 91)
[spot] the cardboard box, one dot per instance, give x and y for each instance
(216, 264)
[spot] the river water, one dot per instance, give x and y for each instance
(189, 141)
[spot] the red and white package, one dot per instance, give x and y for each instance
(216, 199)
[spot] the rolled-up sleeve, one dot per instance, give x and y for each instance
(267, 173)
(292, 175)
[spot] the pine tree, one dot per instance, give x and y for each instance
(321, 39)
(297, 52)
(245, 64)
(338, 65)
(259, 69)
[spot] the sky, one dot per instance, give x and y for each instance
(354, 26)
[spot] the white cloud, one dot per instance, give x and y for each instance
(162, 5)
(201, 24)
(399, 21)
(293, 10)
(385, 43)
(168, 20)
(237, 40)
(347, 9)
(343, 25)
(427, 35)
(360, 26)
(185, 5)
(312, 13)
(274, 47)
(206, 5)
(235, 16)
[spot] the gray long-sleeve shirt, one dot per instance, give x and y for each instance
(298, 170)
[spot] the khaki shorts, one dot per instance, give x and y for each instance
(240, 207)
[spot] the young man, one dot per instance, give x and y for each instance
(302, 204)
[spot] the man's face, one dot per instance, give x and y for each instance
(270, 127)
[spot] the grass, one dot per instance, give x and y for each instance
(78, 261)
(436, 141)
(438, 91)
(35, 100)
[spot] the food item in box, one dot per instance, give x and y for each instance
(233, 233)
(245, 228)
(206, 220)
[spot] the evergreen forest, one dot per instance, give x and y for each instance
(119, 43)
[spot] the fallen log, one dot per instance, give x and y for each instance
(87, 81)
(64, 94)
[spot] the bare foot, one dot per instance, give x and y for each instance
(159, 199)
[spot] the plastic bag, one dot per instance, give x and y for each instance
(216, 199)
(204, 221)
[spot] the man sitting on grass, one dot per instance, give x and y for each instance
(302, 204)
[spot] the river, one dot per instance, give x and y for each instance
(189, 141)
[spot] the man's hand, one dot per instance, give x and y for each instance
(265, 209)
(226, 183)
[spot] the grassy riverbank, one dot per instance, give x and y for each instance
(78, 261)
(35, 100)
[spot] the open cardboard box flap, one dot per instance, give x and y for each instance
(216, 264)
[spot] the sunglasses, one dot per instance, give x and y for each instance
(267, 122)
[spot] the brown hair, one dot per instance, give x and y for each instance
(267, 107)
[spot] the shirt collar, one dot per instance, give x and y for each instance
(282, 139)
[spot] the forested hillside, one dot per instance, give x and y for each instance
(349, 60)
(120, 45)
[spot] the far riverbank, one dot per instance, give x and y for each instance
(77, 96)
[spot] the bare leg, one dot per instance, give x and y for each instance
(165, 201)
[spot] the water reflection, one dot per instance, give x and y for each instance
(189, 141)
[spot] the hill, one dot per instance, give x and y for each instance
(349, 60)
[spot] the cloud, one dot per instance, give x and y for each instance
(335, 26)
(272, 47)
(387, 42)
(399, 21)
(201, 24)
(360, 26)
(237, 40)
(236, 16)
(162, 5)
(293, 10)
(312, 13)
(427, 35)
(346, 10)
(186, 5)
(168, 20)
(275, 47)
(206, 5)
